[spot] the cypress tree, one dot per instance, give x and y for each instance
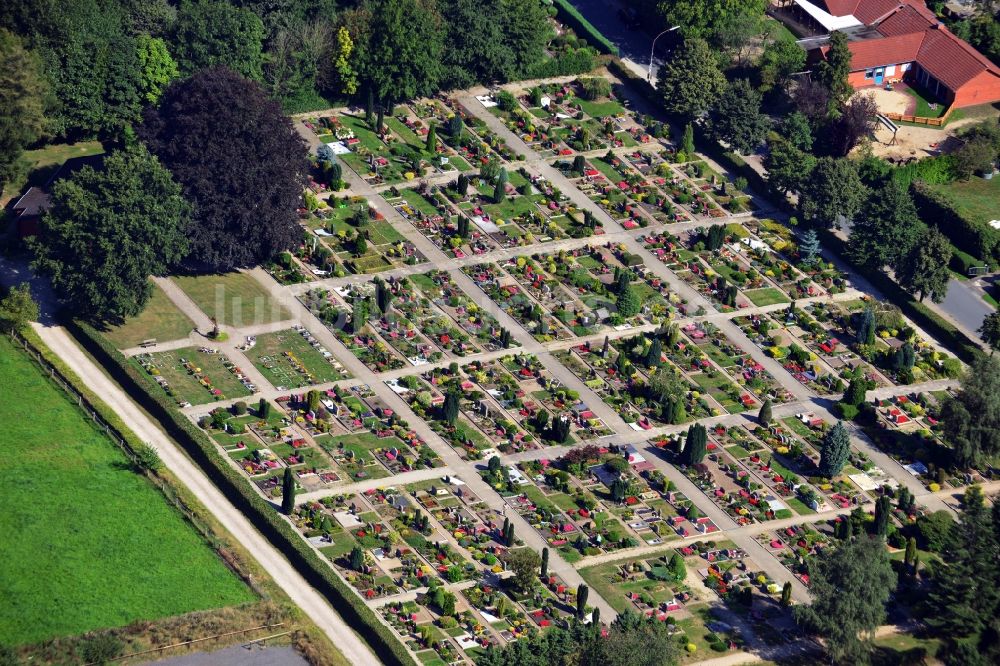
(264, 409)
(911, 551)
(462, 184)
(882, 508)
(450, 408)
(432, 139)
(786, 594)
(653, 354)
(696, 444)
(581, 601)
(288, 492)
(834, 451)
(545, 563)
(455, 129)
(357, 558)
(500, 191)
(764, 416)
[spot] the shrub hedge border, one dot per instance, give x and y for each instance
(572, 17)
(387, 647)
(971, 236)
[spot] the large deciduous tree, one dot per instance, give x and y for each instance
(737, 118)
(778, 62)
(23, 94)
(833, 189)
(972, 418)
(788, 168)
(924, 269)
(108, 230)
(209, 33)
(704, 18)
(240, 162)
(690, 82)
(850, 586)
(400, 55)
(886, 229)
(156, 67)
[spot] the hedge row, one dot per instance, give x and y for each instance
(569, 15)
(977, 238)
(961, 262)
(261, 513)
(944, 331)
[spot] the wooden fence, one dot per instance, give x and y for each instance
(920, 120)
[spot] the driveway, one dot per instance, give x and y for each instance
(632, 44)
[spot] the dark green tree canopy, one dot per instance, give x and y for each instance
(108, 231)
(833, 189)
(690, 82)
(209, 33)
(850, 586)
(240, 162)
(924, 269)
(400, 54)
(24, 95)
(885, 229)
(737, 118)
(972, 418)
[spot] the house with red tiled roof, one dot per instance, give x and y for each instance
(902, 40)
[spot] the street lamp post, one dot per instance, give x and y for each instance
(649, 76)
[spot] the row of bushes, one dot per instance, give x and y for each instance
(234, 486)
(931, 322)
(936, 170)
(565, 63)
(976, 238)
(569, 15)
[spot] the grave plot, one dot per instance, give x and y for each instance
(293, 358)
(806, 256)
(633, 376)
(411, 324)
(361, 546)
(873, 340)
(195, 376)
(797, 546)
(457, 412)
(503, 290)
(678, 587)
(564, 404)
(741, 476)
(465, 520)
(348, 312)
(619, 189)
(705, 339)
(779, 343)
(349, 236)
(474, 320)
(264, 441)
(379, 157)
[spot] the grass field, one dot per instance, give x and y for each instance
(90, 544)
(235, 299)
(766, 296)
(185, 384)
(600, 109)
(160, 320)
(43, 162)
(269, 357)
(975, 198)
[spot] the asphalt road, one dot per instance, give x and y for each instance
(965, 304)
(632, 44)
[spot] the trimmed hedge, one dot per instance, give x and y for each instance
(935, 325)
(569, 15)
(976, 238)
(265, 517)
(961, 262)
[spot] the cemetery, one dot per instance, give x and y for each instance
(232, 299)
(293, 359)
(195, 376)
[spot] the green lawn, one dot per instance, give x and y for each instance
(766, 296)
(186, 381)
(975, 198)
(42, 163)
(600, 109)
(306, 366)
(90, 543)
(160, 320)
(924, 101)
(235, 299)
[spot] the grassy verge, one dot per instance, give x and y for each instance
(95, 546)
(236, 489)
